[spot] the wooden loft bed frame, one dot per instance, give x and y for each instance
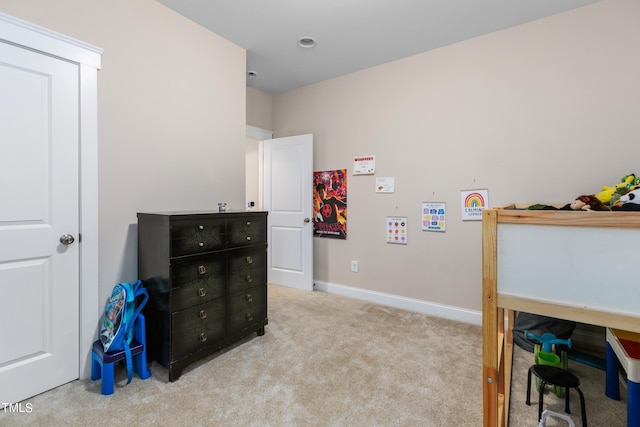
(542, 262)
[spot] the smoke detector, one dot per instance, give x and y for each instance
(307, 42)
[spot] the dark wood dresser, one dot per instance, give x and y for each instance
(206, 274)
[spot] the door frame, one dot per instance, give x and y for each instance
(259, 134)
(22, 33)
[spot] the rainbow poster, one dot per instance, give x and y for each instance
(473, 203)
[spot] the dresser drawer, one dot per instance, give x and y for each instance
(245, 231)
(246, 269)
(247, 308)
(197, 279)
(197, 327)
(194, 236)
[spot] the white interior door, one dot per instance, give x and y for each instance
(288, 191)
(39, 203)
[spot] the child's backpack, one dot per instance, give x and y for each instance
(120, 314)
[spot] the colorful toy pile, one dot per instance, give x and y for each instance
(623, 196)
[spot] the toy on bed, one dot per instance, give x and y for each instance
(631, 197)
(610, 195)
(581, 203)
(628, 202)
(607, 199)
(587, 203)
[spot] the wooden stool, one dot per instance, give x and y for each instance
(559, 377)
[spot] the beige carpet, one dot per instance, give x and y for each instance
(324, 360)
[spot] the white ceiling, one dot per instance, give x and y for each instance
(351, 35)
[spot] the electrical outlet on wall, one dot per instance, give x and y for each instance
(354, 266)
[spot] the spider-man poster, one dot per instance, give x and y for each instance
(330, 204)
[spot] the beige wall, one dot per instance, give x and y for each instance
(541, 112)
(538, 113)
(259, 109)
(171, 115)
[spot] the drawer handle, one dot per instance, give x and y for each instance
(202, 314)
(203, 337)
(201, 227)
(249, 317)
(201, 244)
(249, 298)
(249, 260)
(249, 278)
(202, 269)
(248, 237)
(202, 292)
(248, 222)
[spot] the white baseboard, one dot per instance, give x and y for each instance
(410, 304)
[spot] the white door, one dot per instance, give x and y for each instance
(288, 192)
(39, 203)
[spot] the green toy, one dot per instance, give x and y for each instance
(545, 354)
(610, 195)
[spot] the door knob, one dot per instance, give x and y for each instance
(67, 239)
(307, 220)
